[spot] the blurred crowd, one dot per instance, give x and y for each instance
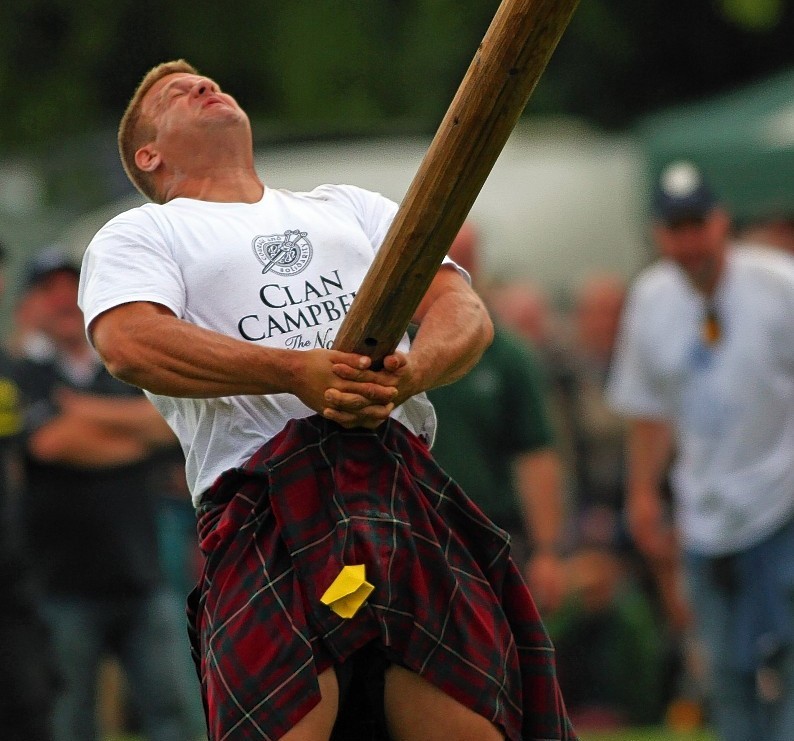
(548, 455)
(634, 437)
(98, 549)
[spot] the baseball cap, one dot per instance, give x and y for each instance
(48, 260)
(682, 193)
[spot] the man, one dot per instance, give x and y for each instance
(89, 518)
(28, 676)
(526, 307)
(223, 301)
(496, 440)
(705, 370)
(596, 431)
(608, 639)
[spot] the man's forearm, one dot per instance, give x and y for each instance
(150, 348)
(650, 444)
(146, 345)
(454, 331)
(69, 441)
(539, 479)
(119, 415)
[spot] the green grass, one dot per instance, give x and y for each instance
(648, 734)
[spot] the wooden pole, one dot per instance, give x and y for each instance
(473, 132)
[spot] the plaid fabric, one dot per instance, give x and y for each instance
(448, 602)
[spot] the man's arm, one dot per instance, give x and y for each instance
(70, 441)
(650, 444)
(539, 486)
(539, 483)
(454, 330)
(146, 345)
(90, 431)
(650, 448)
(134, 416)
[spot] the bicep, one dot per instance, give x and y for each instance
(118, 328)
(447, 280)
(650, 446)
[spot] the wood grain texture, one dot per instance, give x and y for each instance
(498, 83)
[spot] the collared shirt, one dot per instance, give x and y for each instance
(731, 402)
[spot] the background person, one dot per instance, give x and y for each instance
(704, 371)
(28, 674)
(89, 519)
(496, 439)
(595, 432)
(610, 638)
(529, 311)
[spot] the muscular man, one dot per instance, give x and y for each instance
(222, 300)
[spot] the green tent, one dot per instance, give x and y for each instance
(743, 140)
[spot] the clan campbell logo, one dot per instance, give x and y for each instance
(284, 254)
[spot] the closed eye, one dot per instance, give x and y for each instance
(173, 91)
(179, 88)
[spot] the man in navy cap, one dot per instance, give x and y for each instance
(682, 194)
(704, 371)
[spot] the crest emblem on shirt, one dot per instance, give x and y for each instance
(284, 254)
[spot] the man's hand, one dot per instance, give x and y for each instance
(342, 388)
(653, 535)
(395, 383)
(546, 578)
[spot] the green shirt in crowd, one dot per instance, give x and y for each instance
(494, 413)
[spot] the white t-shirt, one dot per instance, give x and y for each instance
(732, 405)
(281, 272)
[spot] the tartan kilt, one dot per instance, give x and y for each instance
(448, 604)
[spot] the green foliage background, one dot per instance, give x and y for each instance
(317, 67)
(309, 69)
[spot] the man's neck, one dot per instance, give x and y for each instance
(219, 185)
(709, 282)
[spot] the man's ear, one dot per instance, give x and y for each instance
(147, 158)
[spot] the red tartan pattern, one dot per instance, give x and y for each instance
(448, 602)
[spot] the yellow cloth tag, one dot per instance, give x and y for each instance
(348, 591)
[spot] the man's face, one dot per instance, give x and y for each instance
(598, 312)
(59, 316)
(185, 109)
(697, 245)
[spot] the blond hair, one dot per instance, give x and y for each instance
(135, 129)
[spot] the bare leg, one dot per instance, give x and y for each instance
(318, 723)
(418, 711)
